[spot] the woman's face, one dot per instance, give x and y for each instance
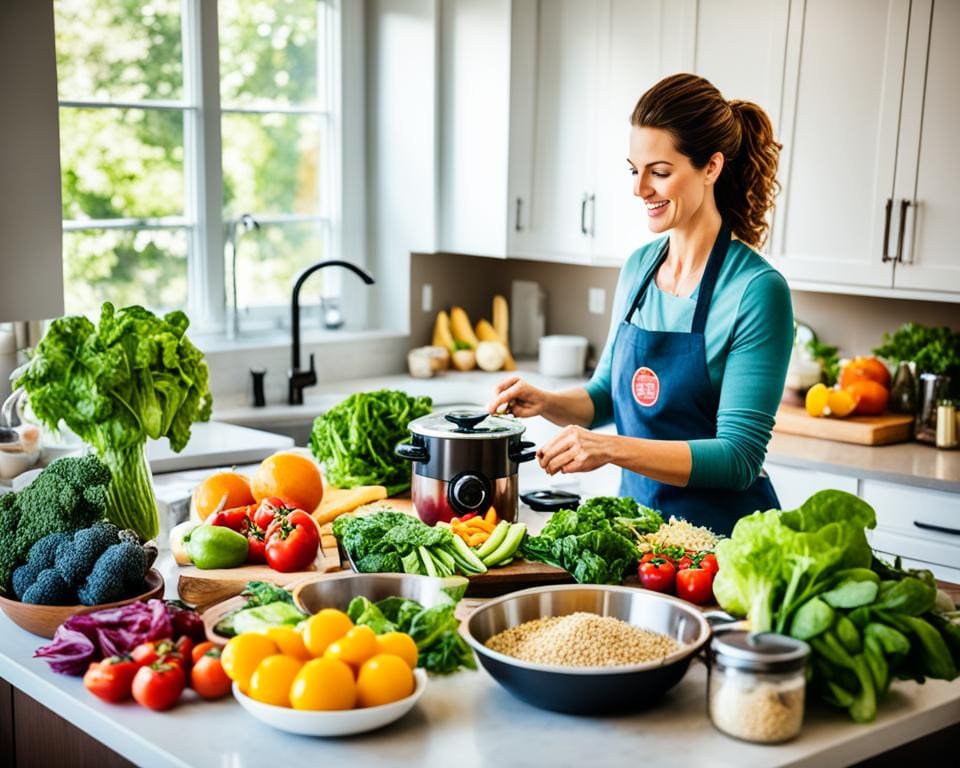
(673, 191)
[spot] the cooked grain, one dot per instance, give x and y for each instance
(582, 640)
(680, 533)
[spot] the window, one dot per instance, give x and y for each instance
(196, 153)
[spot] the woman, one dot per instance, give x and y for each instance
(702, 325)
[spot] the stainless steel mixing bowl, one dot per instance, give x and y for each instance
(588, 690)
(336, 591)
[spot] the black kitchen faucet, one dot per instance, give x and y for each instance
(298, 379)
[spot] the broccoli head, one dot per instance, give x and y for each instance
(76, 556)
(118, 573)
(50, 589)
(69, 494)
(9, 517)
(41, 557)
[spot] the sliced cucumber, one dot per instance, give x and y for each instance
(427, 561)
(467, 557)
(494, 540)
(508, 547)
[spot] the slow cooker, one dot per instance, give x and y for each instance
(463, 462)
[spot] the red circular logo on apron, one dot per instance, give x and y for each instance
(646, 387)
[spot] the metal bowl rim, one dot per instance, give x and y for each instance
(687, 650)
(325, 578)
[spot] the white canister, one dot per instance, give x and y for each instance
(563, 355)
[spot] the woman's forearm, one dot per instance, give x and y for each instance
(666, 461)
(571, 406)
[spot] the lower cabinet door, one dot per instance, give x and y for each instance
(794, 485)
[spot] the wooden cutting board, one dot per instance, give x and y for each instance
(863, 430)
(202, 588)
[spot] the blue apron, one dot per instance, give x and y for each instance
(662, 391)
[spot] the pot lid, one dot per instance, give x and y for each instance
(760, 651)
(463, 423)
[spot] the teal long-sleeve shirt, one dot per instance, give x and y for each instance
(748, 338)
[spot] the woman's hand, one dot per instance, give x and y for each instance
(516, 396)
(574, 449)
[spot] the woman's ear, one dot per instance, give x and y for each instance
(713, 167)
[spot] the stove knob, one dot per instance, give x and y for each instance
(468, 493)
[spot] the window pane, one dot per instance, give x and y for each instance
(269, 52)
(121, 50)
(118, 163)
(147, 267)
(270, 258)
(271, 163)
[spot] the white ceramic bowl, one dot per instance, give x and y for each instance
(13, 463)
(338, 723)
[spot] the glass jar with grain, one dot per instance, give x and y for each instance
(755, 689)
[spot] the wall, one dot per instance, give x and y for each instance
(853, 323)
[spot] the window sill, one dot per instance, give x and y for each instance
(218, 342)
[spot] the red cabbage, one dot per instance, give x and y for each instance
(89, 637)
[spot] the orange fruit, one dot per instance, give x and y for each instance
(291, 476)
(273, 678)
(816, 400)
(841, 402)
(871, 397)
(243, 654)
(864, 369)
(355, 647)
(383, 679)
(324, 684)
(323, 628)
(399, 644)
(221, 490)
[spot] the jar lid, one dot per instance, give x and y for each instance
(760, 651)
(462, 423)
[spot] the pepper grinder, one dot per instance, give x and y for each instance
(257, 375)
(903, 394)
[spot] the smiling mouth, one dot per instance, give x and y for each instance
(657, 206)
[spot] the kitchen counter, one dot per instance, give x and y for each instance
(912, 463)
(469, 719)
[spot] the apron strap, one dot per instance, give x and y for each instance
(707, 283)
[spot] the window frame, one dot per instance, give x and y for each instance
(204, 220)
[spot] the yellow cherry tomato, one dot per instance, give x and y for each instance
(355, 647)
(323, 628)
(399, 644)
(383, 679)
(243, 653)
(324, 684)
(272, 679)
(289, 641)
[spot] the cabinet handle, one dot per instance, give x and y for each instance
(938, 528)
(583, 214)
(593, 215)
(904, 204)
(886, 230)
(517, 227)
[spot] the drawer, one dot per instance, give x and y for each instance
(795, 485)
(917, 512)
(927, 550)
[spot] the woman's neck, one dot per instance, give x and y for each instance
(688, 253)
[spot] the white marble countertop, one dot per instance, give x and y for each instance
(908, 463)
(468, 720)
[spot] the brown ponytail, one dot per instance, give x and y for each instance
(702, 122)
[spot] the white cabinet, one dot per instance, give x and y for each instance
(795, 485)
(868, 167)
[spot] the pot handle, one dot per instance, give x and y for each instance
(412, 452)
(519, 452)
(721, 621)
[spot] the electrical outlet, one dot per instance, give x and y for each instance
(597, 301)
(426, 298)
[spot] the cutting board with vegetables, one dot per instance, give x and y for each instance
(202, 588)
(862, 430)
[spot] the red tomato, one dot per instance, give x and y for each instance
(292, 542)
(201, 648)
(647, 558)
(150, 652)
(708, 562)
(257, 545)
(236, 519)
(684, 562)
(184, 649)
(269, 508)
(695, 585)
(112, 678)
(657, 574)
(158, 686)
(207, 676)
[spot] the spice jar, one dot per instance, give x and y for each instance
(946, 424)
(755, 689)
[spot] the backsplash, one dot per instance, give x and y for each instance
(855, 324)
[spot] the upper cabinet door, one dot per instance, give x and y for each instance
(560, 224)
(928, 165)
(844, 74)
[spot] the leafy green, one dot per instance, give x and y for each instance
(267, 605)
(131, 377)
(934, 350)
(595, 542)
(775, 561)
(355, 440)
(829, 360)
(435, 630)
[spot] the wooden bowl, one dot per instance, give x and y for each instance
(43, 620)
